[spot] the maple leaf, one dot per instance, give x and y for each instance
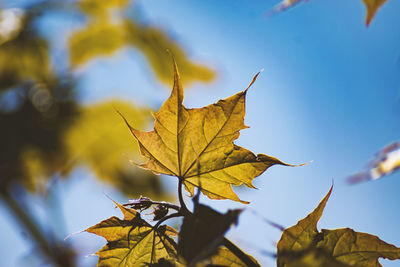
(343, 245)
(372, 7)
(132, 241)
(196, 145)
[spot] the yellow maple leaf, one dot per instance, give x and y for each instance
(196, 145)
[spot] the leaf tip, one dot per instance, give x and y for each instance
(253, 80)
(244, 202)
(110, 198)
(368, 22)
(68, 236)
(173, 61)
(299, 165)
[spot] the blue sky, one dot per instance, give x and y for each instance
(329, 92)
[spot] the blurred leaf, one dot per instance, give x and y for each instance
(34, 105)
(372, 7)
(32, 144)
(100, 7)
(154, 43)
(132, 241)
(107, 32)
(203, 231)
(344, 245)
(385, 162)
(283, 5)
(99, 38)
(99, 139)
(196, 145)
(21, 58)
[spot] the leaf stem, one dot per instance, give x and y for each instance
(183, 209)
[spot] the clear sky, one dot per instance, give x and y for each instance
(329, 92)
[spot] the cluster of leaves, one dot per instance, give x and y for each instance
(371, 5)
(196, 146)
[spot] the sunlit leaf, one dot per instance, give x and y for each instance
(20, 58)
(132, 241)
(196, 145)
(372, 7)
(343, 245)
